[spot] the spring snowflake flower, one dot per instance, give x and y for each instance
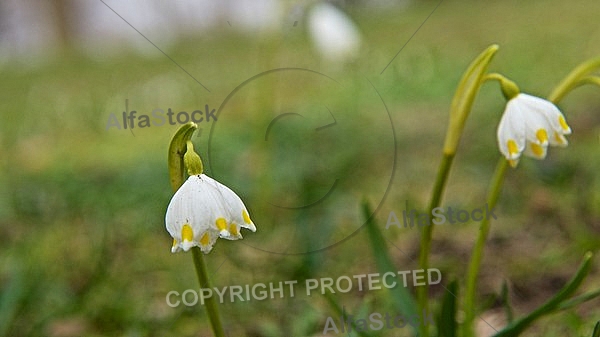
(203, 210)
(528, 125)
(333, 33)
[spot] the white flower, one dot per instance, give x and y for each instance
(203, 210)
(334, 34)
(528, 125)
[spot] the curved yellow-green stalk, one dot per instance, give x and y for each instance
(460, 108)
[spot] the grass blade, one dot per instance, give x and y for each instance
(596, 332)
(518, 326)
(400, 295)
(447, 326)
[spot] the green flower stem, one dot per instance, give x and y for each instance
(579, 76)
(477, 254)
(591, 80)
(210, 303)
(177, 150)
(461, 105)
(574, 79)
(427, 232)
(508, 87)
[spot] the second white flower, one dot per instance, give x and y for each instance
(528, 125)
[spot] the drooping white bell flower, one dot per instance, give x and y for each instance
(203, 210)
(333, 33)
(529, 124)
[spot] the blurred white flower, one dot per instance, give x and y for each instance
(528, 125)
(333, 33)
(203, 210)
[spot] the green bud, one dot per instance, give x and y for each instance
(508, 87)
(192, 160)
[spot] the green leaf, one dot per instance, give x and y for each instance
(596, 332)
(505, 302)
(341, 312)
(464, 97)
(400, 295)
(10, 300)
(176, 151)
(518, 326)
(579, 76)
(447, 326)
(579, 299)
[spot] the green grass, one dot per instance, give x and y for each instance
(84, 249)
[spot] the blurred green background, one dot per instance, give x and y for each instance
(85, 251)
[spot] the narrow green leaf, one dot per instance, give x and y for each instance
(518, 326)
(176, 152)
(341, 312)
(506, 302)
(10, 300)
(464, 97)
(578, 300)
(596, 332)
(447, 326)
(575, 78)
(401, 296)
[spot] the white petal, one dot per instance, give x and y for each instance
(234, 204)
(537, 127)
(557, 139)
(197, 204)
(511, 127)
(535, 150)
(212, 236)
(533, 123)
(186, 245)
(549, 111)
